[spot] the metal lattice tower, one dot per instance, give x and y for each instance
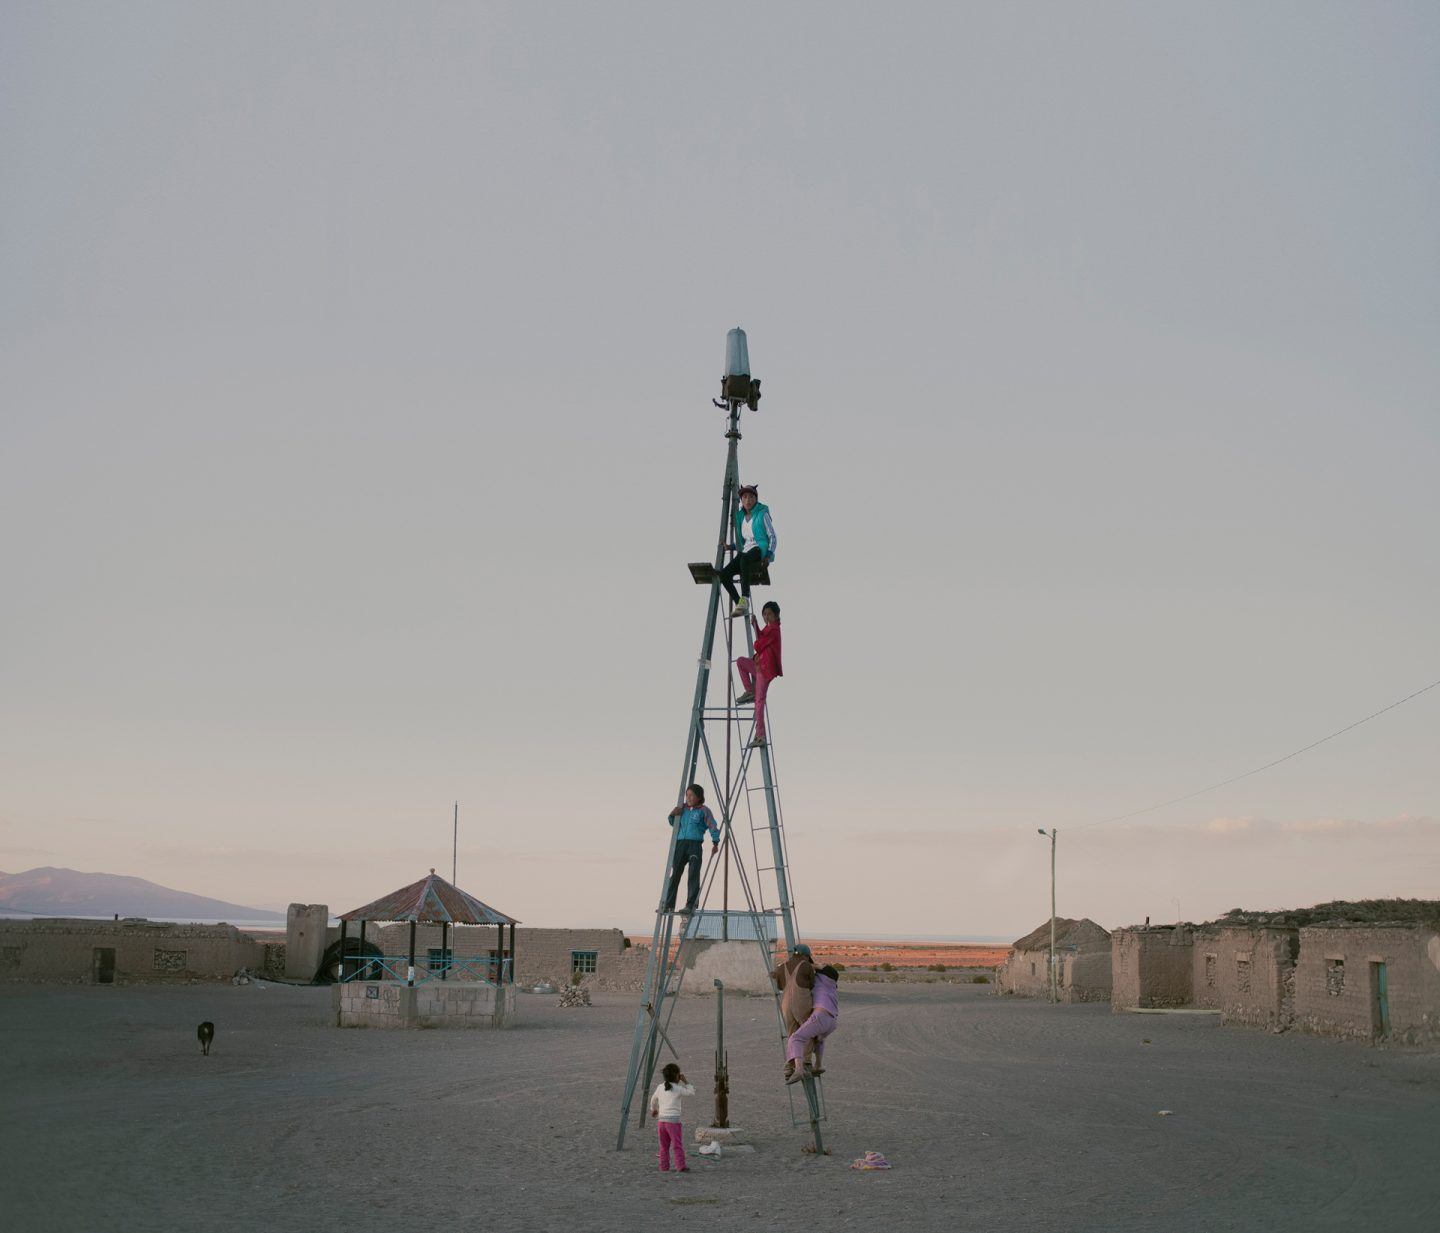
(719, 740)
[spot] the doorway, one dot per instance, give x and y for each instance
(104, 965)
(1379, 1000)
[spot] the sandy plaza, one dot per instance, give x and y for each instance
(997, 1114)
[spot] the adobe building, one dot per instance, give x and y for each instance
(1370, 981)
(67, 950)
(1152, 966)
(1247, 972)
(1082, 960)
(601, 958)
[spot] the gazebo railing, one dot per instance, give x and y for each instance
(481, 969)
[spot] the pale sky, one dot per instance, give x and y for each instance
(357, 363)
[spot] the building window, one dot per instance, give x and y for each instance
(1242, 975)
(1032, 967)
(583, 962)
(438, 960)
(1335, 977)
(1209, 971)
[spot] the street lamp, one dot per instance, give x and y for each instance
(1054, 990)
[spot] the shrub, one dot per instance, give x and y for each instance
(936, 967)
(980, 980)
(887, 966)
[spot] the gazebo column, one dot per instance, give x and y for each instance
(410, 974)
(444, 950)
(340, 975)
(512, 952)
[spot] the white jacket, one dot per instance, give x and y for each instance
(668, 1103)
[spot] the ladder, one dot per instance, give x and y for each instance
(765, 883)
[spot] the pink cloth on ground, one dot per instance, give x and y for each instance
(671, 1136)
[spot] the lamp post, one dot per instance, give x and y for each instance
(1054, 990)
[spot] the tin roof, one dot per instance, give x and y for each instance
(432, 900)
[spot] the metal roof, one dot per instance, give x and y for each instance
(432, 900)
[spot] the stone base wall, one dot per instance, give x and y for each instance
(63, 950)
(1336, 981)
(389, 1004)
(740, 965)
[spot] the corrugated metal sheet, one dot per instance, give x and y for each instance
(432, 900)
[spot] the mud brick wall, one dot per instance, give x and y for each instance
(1151, 966)
(1026, 974)
(63, 951)
(1253, 972)
(1086, 977)
(1336, 981)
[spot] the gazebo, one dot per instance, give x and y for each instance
(430, 901)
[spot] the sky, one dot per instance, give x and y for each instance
(357, 365)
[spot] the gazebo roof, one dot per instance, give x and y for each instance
(432, 900)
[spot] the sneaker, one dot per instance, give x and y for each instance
(747, 696)
(817, 1070)
(758, 743)
(683, 1169)
(794, 1076)
(741, 609)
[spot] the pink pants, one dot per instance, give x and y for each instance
(671, 1135)
(816, 1028)
(760, 683)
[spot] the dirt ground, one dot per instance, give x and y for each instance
(996, 1114)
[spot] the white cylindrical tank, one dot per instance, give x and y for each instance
(737, 354)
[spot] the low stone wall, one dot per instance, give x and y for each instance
(433, 1004)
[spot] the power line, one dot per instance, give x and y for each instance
(1246, 775)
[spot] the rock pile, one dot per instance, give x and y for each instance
(576, 995)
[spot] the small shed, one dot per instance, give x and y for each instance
(1082, 962)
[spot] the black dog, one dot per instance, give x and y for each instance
(206, 1033)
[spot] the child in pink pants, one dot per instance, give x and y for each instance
(814, 1031)
(665, 1109)
(756, 674)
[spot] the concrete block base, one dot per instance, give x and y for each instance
(435, 1004)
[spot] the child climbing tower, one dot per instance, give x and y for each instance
(723, 747)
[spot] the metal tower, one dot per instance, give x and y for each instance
(719, 736)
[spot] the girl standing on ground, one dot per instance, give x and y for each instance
(756, 674)
(665, 1109)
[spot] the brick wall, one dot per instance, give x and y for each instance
(64, 950)
(1336, 981)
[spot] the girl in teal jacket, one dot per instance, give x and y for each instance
(753, 543)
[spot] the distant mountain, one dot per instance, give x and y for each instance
(67, 892)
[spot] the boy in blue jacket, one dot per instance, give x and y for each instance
(693, 819)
